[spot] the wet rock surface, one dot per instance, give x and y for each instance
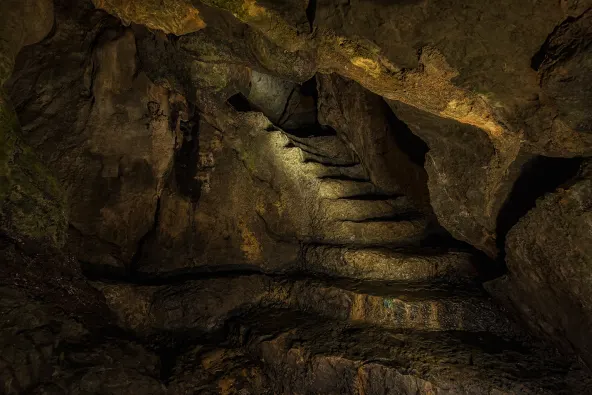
(295, 197)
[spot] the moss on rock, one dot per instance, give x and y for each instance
(32, 202)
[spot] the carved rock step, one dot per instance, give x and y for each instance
(295, 354)
(306, 157)
(329, 147)
(360, 209)
(206, 305)
(338, 189)
(389, 265)
(370, 233)
(318, 170)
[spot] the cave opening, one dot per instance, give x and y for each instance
(539, 176)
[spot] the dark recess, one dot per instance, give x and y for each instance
(539, 57)
(413, 146)
(240, 103)
(309, 89)
(187, 160)
(311, 11)
(132, 268)
(540, 176)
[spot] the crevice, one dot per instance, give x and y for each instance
(328, 164)
(541, 175)
(240, 103)
(187, 161)
(132, 268)
(413, 290)
(311, 127)
(413, 146)
(311, 11)
(180, 276)
(282, 117)
(542, 54)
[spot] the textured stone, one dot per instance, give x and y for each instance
(363, 119)
(171, 16)
(328, 358)
(388, 265)
(548, 257)
(166, 308)
(32, 203)
(112, 145)
(248, 190)
(468, 178)
(23, 23)
(53, 330)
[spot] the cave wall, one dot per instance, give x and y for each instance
(548, 258)
(126, 150)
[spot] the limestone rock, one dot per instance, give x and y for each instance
(253, 195)
(23, 23)
(468, 178)
(548, 257)
(52, 328)
(32, 203)
(500, 104)
(172, 16)
(363, 119)
(388, 265)
(112, 145)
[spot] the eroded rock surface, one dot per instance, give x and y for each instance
(121, 135)
(254, 197)
(549, 258)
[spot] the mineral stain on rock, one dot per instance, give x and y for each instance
(295, 197)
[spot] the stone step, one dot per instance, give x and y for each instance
(284, 353)
(320, 171)
(306, 157)
(206, 305)
(401, 309)
(330, 147)
(370, 233)
(388, 265)
(338, 189)
(360, 210)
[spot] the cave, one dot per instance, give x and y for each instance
(295, 197)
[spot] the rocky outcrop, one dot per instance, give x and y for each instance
(32, 202)
(173, 16)
(509, 113)
(548, 259)
(57, 334)
(468, 183)
(120, 136)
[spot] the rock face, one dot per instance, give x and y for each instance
(295, 197)
(121, 136)
(549, 258)
(368, 125)
(173, 16)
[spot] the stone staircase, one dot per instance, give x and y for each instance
(368, 311)
(286, 335)
(346, 208)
